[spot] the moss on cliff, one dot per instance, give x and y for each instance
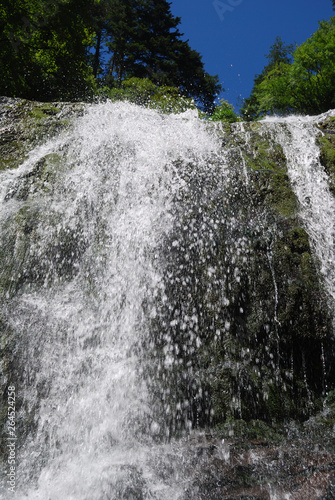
(26, 124)
(261, 320)
(327, 149)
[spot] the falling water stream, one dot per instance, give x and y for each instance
(297, 136)
(100, 225)
(80, 330)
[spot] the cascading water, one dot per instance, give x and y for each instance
(297, 136)
(145, 274)
(80, 323)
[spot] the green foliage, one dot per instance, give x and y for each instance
(136, 90)
(305, 85)
(279, 56)
(273, 94)
(170, 100)
(313, 71)
(144, 92)
(53, 50)
(43, 49)
(224, 112)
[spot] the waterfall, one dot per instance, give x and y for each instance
(80, 322)
(144, 285)
(297, 135)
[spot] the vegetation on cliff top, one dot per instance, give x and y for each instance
(68, 49)
(299, 80)
(78, 50)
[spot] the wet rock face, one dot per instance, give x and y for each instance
(26, 124)
(23, 126)
(251, 460)
(240, 327)
(260, 471)
(244, 329)
(327, 149)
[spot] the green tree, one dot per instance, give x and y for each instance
(43, 48)
(278, 57)
(312, 75)
(224, 112)
(305, 85)
(145, 42)
(273, 93)
(157, 40)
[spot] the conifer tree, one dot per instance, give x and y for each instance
(279, 53)
(63, 49)
(145, 42)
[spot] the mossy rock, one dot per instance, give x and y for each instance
(39, 180)
(249, 433)
(26, 124)
(320, 428)
(326, 142)
(266, 364)
(268, 172)
(327, 158)
(21, 262)
(40, 112)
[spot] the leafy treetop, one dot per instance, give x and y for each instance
(65, 49)
(305, 84)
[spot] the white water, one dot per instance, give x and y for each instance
(297, 136)
(80, 334)
(80, 337)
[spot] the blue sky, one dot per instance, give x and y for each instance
(234, 37)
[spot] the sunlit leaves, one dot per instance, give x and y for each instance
(307, 85)
(43, 52)
(224, 112)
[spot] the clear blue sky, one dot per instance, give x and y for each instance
(234, 38)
